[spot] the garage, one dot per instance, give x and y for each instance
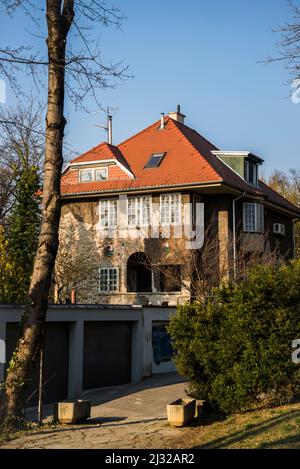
(56, 362)
(107, 354)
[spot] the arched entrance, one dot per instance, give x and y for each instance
(139, 275)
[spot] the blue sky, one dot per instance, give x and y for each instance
(203, 55)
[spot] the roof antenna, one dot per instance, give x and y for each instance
(109, 129)
(108, 126)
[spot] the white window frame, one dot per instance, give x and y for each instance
(93, 171)
(81, 171)
(101, 169)
(166, 220)
(111, 204)
(110, 282)
(256, 225)
(136, 208)
(282, 231)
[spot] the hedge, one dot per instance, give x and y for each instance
(236, 350)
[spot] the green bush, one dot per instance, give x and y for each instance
(236, 350)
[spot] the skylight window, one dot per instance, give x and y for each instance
(155, 160)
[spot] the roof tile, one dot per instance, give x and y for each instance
(188, 160)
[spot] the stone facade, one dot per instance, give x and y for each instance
(84, 248)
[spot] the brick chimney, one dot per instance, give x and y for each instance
(177, 116)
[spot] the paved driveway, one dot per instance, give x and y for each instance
(128, 416)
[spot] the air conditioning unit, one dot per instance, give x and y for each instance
(279, 228)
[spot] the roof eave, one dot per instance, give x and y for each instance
(280, 208)
(143, 189)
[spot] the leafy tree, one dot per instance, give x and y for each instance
(6, 193)
(21, 147)
(287, 184)
(236, 350)
(7, 270)
(23, 230)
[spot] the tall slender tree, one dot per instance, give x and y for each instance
(78, 73)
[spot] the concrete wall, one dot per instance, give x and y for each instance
(76, 315)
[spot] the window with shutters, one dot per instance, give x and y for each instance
(253, 217)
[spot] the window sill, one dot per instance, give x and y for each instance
(253, 232)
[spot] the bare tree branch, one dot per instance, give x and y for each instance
(289, 44)
(86, 71)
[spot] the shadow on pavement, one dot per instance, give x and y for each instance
(104, 395)
(88, 425)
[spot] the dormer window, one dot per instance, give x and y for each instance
(244, 163)
(93, 174)
(251, 172)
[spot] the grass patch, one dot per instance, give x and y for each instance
(267, 428)
(11, 429)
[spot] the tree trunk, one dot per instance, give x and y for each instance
(60, 14)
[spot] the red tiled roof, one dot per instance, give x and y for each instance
(188, 160)
(204, 147)
(103, 151)
(182, 164)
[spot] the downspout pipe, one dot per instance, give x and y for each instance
(234, 232)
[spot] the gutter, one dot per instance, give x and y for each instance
(281, 208)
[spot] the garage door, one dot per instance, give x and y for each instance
(107, 354)
(56, 362)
